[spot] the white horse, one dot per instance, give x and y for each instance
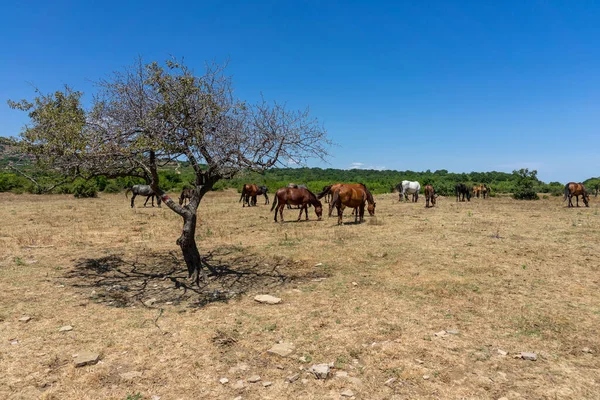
(408, 187)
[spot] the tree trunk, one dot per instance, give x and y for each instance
(187, 242)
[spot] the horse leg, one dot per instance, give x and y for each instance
(577, 199)
(281, 207)
(300, 215)
(362, 212)
(306, 211)
(340, 214)
(132, 198)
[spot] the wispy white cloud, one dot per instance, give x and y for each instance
(377, 167)
(292, 162)
(357, 165)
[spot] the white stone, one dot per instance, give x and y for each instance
(282, 349)
(65, 328)
(25, 318)
(267, 299)
(347, 393)
(254, 379)
(223, 381)
(86, 358)
(528, 356)
(267, 383)
(320, 371)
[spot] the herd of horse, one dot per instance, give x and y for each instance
(342, 195)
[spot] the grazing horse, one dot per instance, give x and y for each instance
(354, 196)
(462, 189)
(296, 196)
(482, 190)
(429, 196)
(249, 193)
(329, 190)
(576, 189)
(485, 191)
(408, 187)
(186, 194)
(143, 190)
(294, 186)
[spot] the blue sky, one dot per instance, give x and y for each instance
(463, 86)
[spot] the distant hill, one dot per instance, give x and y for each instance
(9, 152)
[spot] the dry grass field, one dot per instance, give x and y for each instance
(501, 275)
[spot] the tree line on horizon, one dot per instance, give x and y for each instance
(176, 177)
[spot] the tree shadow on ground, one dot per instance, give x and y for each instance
(156, 279)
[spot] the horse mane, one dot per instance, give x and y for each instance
(369, 195)
(313, 197)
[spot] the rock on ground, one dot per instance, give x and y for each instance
(86, 358)
(267, 299)
(528, 356)
(282, 349)
(320, 371)
(65, 328)
(254, 379)
(347, 393)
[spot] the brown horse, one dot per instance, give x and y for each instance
(249, 193)
(482, 190)
(186, 194)
(296, 196)
(354, 196)
(329, 190)
(429, 196)
(576, 189)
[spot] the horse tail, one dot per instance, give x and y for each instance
(274, 202)
(325, 191)
(334, 200)
(567, 191)
(243, 193)
(127, 192)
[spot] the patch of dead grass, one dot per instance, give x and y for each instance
(516, 276)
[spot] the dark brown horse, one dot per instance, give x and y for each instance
(576, 189)
(354, 196)
(296, 196)
(429, 196)
(249, 193)
(186, 194)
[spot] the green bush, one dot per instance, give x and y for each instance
(85, 189)
(10, 182)
(112, 187)
(525, 184)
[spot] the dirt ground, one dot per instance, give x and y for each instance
(500, 276)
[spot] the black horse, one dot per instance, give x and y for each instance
(462, 189)
(143, 190)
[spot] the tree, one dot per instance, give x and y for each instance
(149, 115)
(524, 185)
